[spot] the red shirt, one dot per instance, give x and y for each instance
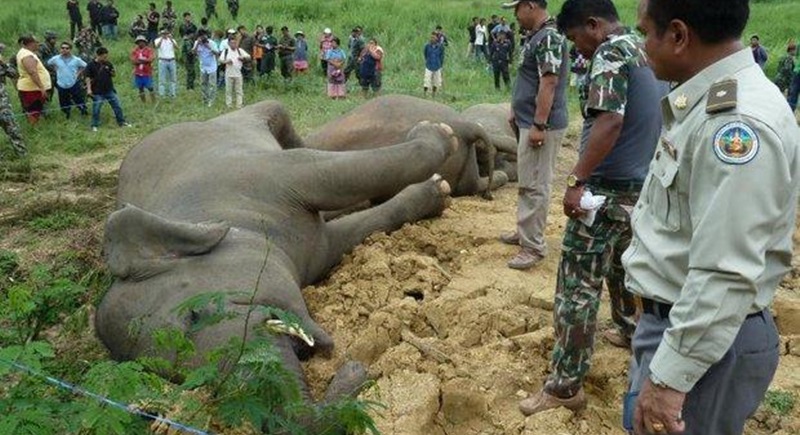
(142, 69)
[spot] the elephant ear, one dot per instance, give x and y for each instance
(139, 244)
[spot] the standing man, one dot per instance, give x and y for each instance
(7, 119)
(188, 33)
(95, 10)
(100, 87)
(207, 51)
(34, 80)
(110, 18)
(270, 45)
(233, 7)
(783, 77)
(142, 58)
(75, 18)
(325, 45)
(167, 65)
(286, 54)
(501, 58)
(371, 68)
(539, 112)
(706, 346)
(153, 18)
(211, 9)
(434, 62)
(47, 50)
(620, 133)
(356, 45)
(794, 86)
(759, 52)
(233, 58)
(68, 70)
(169, 17)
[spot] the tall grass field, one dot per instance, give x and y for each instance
(54, 202)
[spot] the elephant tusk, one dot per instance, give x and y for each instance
(277, 326)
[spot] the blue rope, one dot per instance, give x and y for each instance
(80, 391)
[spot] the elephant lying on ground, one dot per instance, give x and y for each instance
(199, 203)
(494, 119)
(385, 120)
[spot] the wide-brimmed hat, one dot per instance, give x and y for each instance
(140, 38)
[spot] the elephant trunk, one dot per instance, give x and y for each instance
(485, 152)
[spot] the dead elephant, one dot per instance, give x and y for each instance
(201, 203)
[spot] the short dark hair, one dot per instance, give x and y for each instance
(575, 13)
(26, 39)
(712, 20)
(66, 43)
(284, 29)
(101, 51)
(337, 40)
(187, 14)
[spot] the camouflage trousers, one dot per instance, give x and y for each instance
(590, 256)
(10, 125)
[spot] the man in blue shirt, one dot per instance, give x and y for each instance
(68, 68)
(207, 52)
(434, 61)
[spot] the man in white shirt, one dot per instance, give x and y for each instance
(481, 40)
(232, 58)
(167, 73)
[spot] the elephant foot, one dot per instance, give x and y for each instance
(347, 383)
(440, 132)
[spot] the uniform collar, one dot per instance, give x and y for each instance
(683, 99)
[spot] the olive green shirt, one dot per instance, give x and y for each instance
(712, 231)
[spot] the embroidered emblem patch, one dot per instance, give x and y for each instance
(736, 143)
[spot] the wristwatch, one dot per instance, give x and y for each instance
(541, 126)
(574, 181)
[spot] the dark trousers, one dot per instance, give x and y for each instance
(97, 103)
(96, 26)
(731, 389)
(69, 97)
(287, 66)
(501, 69)
(190, 62)
(794, 91)
(74, 26)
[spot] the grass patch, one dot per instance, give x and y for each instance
(56, 221)
(94, 179)
(780, 402)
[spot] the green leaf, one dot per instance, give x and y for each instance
(201, 376)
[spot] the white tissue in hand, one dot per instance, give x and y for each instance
(590, 203)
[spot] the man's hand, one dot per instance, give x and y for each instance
(572, 202)
(44, 93)
(536, 137)
(658, 410)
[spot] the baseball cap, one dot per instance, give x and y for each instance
(231, 31)
(299, 32)
(327, 30)
(512, 5)
(140, 38)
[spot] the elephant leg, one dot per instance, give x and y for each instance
(504, 144)
(416, 202)
(498, 180)
(475, 135)
(327, 181)
(347, 383)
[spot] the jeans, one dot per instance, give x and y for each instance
(167, 76)
(110, 31)
(97, 103)
(794, 91)
(68, 97)
(208, 86)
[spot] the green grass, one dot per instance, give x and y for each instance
(780, 402)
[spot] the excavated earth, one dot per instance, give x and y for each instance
(454, 338)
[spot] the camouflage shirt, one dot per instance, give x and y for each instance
(6, 71)
(605, 88)
(785, 72)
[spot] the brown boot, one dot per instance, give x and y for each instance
(525, 259)
(542, 401)
(616, 338)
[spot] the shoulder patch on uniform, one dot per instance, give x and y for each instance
(736, 143)
(722, 96)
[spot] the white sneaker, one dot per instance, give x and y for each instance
(126, 124)
(94, 129)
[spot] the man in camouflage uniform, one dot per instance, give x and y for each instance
(169, 17)
(47, 50)
(620, 132)
(211, 9)
(7, 119)
(783, 78)
(86, 43)
(188, 33)
(233, 7)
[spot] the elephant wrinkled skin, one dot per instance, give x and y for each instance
(199, 202)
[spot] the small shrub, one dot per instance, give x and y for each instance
(58, 221)
(780, 402)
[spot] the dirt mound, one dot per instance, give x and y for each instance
(455, 339)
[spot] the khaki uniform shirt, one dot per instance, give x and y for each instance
(713, 226)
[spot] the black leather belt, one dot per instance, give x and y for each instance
(622, 185)
(661, 310)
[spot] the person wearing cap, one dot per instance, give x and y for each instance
(539, 112)
(325, 45)
(207, 51)
(110, 17)
(619, 136)
(759, 52)
(47, 50)
(34, 80)
(68, 70)
(75, 18)
(713, 229)
(356, 46)
(99, 76)
(783, 77)
(300, 53)
(7, 119)
(142, 57)
(233, 58)
(286, 48)
(167, 50)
